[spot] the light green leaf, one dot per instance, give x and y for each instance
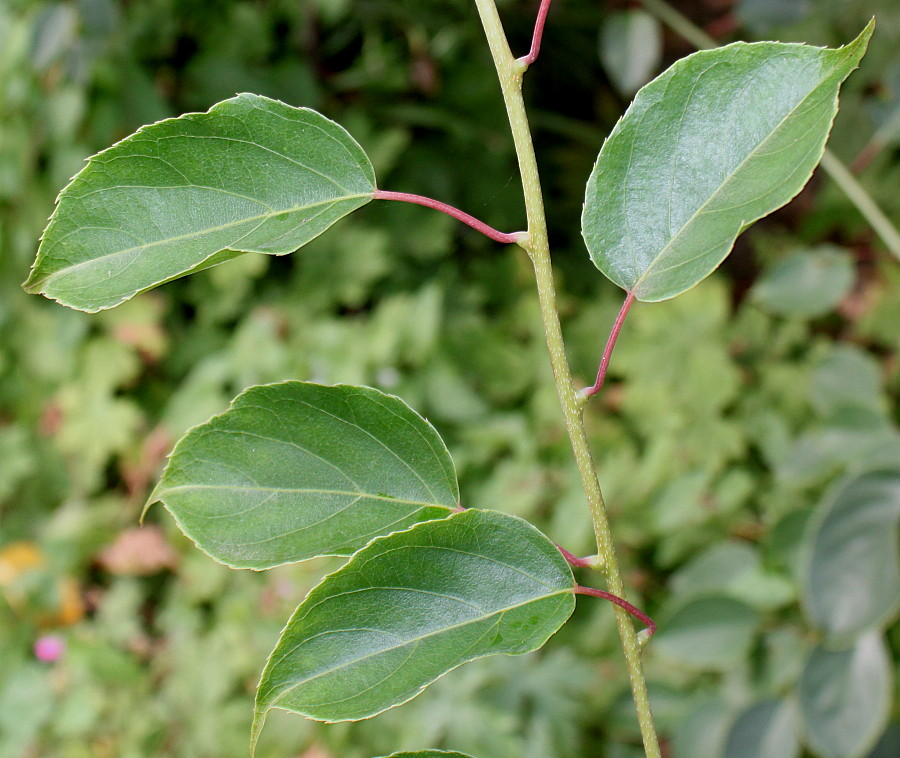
(429, 754)
(851, 578)
(721, 139)
(845, 697)
(630, 48)
(296, 470)
(709, 633)
(807, 284)
(410, 607)
(249, 175)
(765, 730)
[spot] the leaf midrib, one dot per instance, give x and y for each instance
(414, 640)
(299, 491)
(648, 270)
(192, 235)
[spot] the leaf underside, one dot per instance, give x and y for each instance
(249, 175)
(410, 607)
(721, 139)
(297, 470)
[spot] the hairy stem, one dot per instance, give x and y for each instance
(478, 226)
(537, 246)
(831, 164)
(589, 392)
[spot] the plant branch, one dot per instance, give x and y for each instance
(633, 610)
(831, 164)
(537, 246)
(478, 226)
(538, 35)
(863, 201)
(589, 392)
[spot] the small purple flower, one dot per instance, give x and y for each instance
(49, 648)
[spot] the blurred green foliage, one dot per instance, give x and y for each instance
(735, 417)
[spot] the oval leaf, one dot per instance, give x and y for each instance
(807, 284)
(410, 607)
(765, 730)
(296, 470)
(249, 175)
(845, 697)
(721, 139)
(708, 633)
(631, 48)
(851, 580)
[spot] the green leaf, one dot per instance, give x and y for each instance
(296, 470)
(429, 754)
(709, 633)
(410, 607)
(765, 730)
(249, 175)
(721, 139)
(630, 48)
(845, 697)
(851, 578)
(806, 284)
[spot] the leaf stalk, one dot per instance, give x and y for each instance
(479, 226)
(589, 392)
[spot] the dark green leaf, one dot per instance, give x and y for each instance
(806, 284)
(765, 730)
(845, 697)
(296, 470)
(852, 574)
(410, 607)
(249, 175)
(721, 139)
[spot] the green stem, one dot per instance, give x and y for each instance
(863, 201)
(536, 244)
(831, 164)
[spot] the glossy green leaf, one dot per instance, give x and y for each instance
(806, 284)
(765, 730)
(410, 607)
(845, 697)
(296, 470)
(851, 578)
(249, 175)
(721, 139)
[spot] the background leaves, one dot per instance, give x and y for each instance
(720, 424)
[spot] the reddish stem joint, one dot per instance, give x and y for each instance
(574, 560)
(478, 226)
(647, 633)
(538, 35)
(588, 392)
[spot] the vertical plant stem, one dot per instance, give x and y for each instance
(537, 246)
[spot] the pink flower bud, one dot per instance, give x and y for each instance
(49, 648)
